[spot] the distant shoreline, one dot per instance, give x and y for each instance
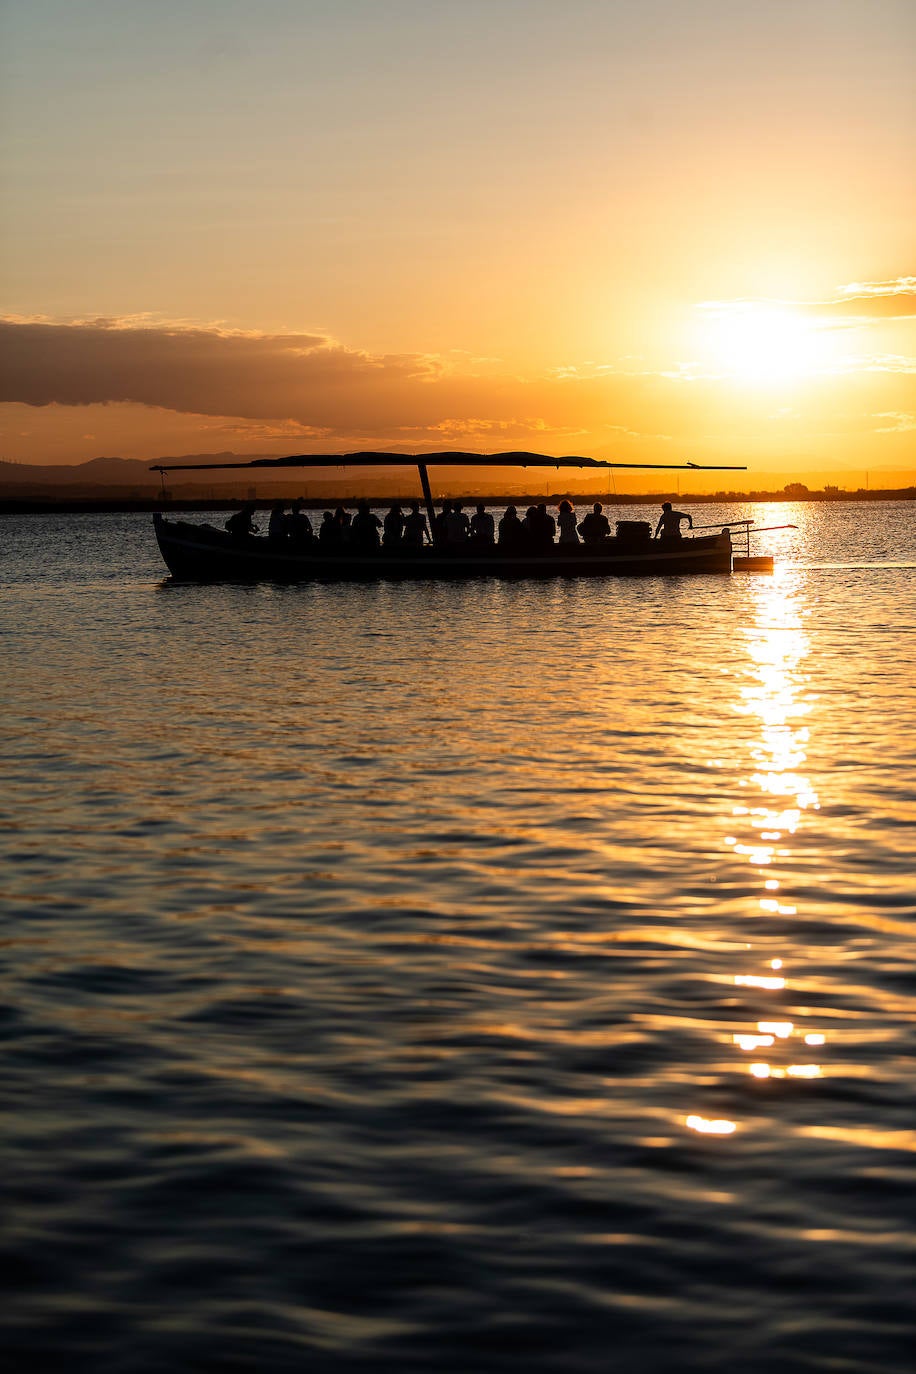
(100, 505)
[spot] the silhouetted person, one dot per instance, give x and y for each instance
(342, 521)
(483, 527)
(365, 527)
(298, 526)
(457, 525)
(241, 525)
(416, 530)
(276, 525)
(329, 532)
(567, 522)
(539, 526)
(440, 524)
(596, 526)
(669, 522)
(393, 528)
(547, 526)
(511, 530)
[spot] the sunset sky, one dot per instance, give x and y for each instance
(650, 230)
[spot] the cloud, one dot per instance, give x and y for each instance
(870, 300)
(306, 389)
(690, 372)
(638, 434)
(479, 428)
(300, 377)
(855, 303)
(267, 430)
(902, 422)
(884, 362)
(900, 286)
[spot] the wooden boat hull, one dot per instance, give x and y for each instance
(200, 553)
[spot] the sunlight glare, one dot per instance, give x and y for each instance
(760, 343)
(706, 1126)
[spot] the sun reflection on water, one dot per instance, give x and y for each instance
(775, 700)
(706, 1126)
(764, 828)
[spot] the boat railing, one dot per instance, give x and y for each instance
(745, 527)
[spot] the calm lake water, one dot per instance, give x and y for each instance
(485, 977)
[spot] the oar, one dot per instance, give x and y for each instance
(752, 528)
(723, 524)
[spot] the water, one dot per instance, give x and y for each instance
(483, 977)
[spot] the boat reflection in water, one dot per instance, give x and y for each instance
(776, 701)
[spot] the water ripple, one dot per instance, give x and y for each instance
(463, 978)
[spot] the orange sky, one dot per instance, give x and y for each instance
(652, 232)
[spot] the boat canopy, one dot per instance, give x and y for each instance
(450, 458)
(423, 461)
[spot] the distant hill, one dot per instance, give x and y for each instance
(100, 473)
(108, 479)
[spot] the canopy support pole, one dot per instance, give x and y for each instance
(428, 498)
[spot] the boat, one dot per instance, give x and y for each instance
(203, 553)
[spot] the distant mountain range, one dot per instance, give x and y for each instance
(130, 479)
(120, 473)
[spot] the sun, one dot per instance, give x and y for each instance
(759, 344)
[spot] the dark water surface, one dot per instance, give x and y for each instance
(480, 977)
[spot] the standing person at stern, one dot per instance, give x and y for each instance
(669, 522)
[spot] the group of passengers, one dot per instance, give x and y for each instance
(452, 527)
(361, 531)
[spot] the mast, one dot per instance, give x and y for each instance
(428, 498)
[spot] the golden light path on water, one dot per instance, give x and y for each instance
(775, 704)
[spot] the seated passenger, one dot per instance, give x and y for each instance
(240, 525)
(511, 530)
(547, 526)
(342, 521)
(298, 526)
(483, 527)
(276, 525)
(539, 526)
(595, 527)
(416, 530)
(457, 525)
(440, 524)
(567, 523)
(393, 528)
(329, 531)
(365, 527)
(669, 522)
